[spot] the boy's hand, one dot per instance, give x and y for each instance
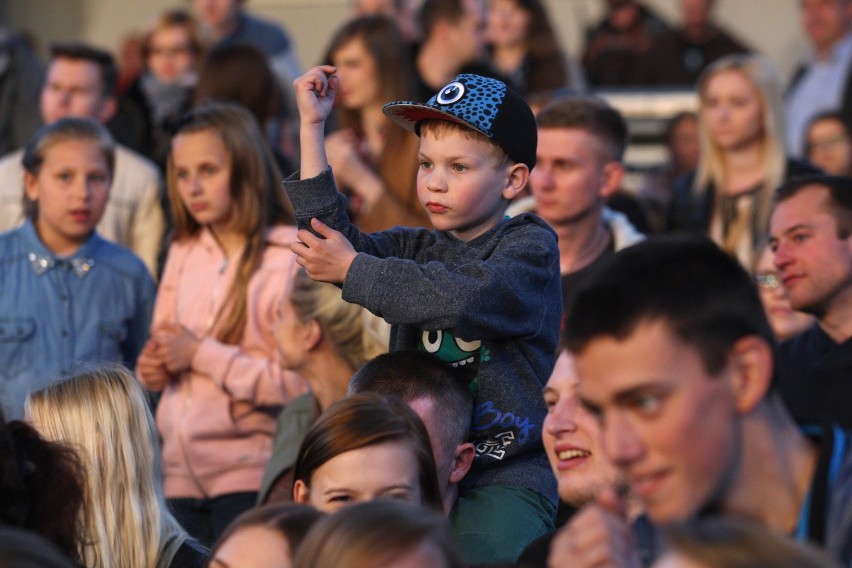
(325, 258)
(315, 91)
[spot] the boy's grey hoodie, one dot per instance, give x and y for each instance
(494, 301)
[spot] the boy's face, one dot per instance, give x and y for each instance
(570, 180)
(671, 427)
(71, 188)
(460, 184)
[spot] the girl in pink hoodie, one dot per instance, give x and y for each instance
(212, 348)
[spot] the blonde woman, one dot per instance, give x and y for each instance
(742, 156)
(103, 414)
(325, 340)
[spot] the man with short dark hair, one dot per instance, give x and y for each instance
(581, 142)
(811, 235)
(80, 83)
(440, 396)
(675, 358)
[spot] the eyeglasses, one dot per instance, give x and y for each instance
(170, 51)
(825, 144)
(767, 281)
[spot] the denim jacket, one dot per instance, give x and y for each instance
(94, 305)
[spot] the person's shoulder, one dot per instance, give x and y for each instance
(795, 167)
(10, 164)
(132, 164)
(266, 32)
(527, 224)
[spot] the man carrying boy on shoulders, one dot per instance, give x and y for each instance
(480, 291)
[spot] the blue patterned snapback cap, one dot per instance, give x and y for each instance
(481, 103)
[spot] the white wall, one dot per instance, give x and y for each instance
(770, 25)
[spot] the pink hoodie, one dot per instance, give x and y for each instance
(218, 418)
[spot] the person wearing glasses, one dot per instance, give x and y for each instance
(828, 143)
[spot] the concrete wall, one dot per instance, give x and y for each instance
(770, 25)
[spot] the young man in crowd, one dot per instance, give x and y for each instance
(675, 358)
(811, 235)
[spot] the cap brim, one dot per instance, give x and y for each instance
(408, 114)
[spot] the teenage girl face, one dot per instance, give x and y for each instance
(71, 188)
(359, 75)
(381, 471)
(732, 111)
(170, 55)
(203, 175)
(507, 23)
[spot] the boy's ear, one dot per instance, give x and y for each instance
(752, 373)
(612, 175)
(30, 187)
(517, 176)
(462, 461)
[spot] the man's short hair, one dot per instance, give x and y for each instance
(411, 375)
(704, 295)
(103, 60)
(591, 114)
(839, 197)
(433, 11)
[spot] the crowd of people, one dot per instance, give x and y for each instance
(401, 309)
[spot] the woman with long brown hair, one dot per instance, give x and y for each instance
(374, 159)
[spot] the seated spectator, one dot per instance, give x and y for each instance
(265, 537)
(828, 143)
(403, 12)
(21, 77)
(374, 159)
(784, 320)
(366, 447)
(741, 159)
(617, 47)
(229, 23)
(152, 103)
(729, 543)
(379, 534)
(103, 413)
(681, 142)
(57, 271)
(823, 81)
(811, 237)
(80, 83)
(440, 396)
(452, 43)
(240, 74)
(675, 357)
(523, 46)
(24, 549)
(41, 487)
(324, 340)
(678, 56)
(572, 439)
(212, 348)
